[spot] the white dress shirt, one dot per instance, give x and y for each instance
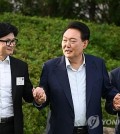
(77, 80)
(6, 104)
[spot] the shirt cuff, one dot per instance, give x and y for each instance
(36, 104)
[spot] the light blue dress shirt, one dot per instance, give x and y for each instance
(77, 80)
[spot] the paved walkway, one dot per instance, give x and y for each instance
(107, 130)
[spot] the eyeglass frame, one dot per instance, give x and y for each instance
(8, 41)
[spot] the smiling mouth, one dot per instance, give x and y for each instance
(68, 51)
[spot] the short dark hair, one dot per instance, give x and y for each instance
(6, 28)
(83, 28)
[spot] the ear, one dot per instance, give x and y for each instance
(85, 43)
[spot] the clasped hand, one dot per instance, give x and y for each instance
(39, 95)
(116, 102)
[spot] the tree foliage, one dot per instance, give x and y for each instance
(5, 6)
(99, 11)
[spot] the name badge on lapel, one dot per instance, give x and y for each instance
(19, 81)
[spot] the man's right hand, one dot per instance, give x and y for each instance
(39, 95)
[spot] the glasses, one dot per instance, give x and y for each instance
(8, 42)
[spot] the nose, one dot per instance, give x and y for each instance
(68, 43)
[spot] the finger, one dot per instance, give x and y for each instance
(117, 96)
(34, 93)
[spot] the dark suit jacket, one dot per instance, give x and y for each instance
(20, 69)
(54, 79)
(115, 81)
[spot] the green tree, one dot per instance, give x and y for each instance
(99, 11)
(114, 11)
(5, 6)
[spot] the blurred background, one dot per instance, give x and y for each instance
(99, 11)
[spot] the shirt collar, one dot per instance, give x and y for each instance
(69, 65)
(6, 60)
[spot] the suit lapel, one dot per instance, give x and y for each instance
(90, 76)
(62, 76)
(118, 79)
(13, 75)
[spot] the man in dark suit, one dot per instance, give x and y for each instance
(74, 84)
(115, 81)
(14, 83)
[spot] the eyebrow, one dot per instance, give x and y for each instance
(10, 39)
(69, 38)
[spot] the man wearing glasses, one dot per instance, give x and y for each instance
(14, 83)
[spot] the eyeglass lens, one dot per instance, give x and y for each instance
(14, 42)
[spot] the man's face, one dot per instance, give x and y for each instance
(5, 48)
(72, 44)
